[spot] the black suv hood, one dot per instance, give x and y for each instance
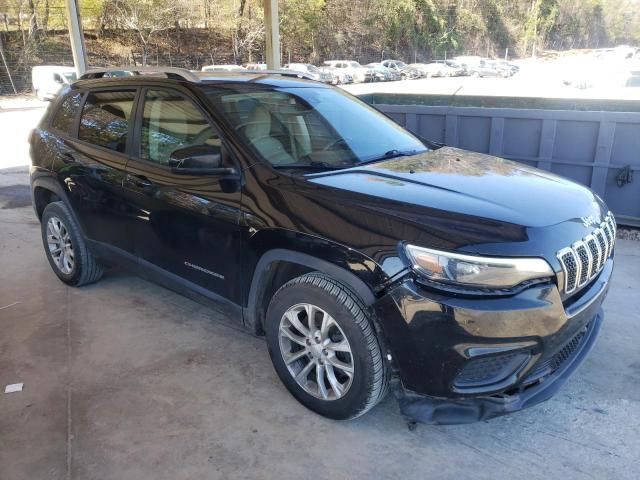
(471, 184)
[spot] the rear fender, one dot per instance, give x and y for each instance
(42, 179)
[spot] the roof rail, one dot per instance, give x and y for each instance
(283, 72)
(170, 72)
(183, 73)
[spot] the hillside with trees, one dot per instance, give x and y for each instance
(195, 32)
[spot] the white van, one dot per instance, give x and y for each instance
(47, 80)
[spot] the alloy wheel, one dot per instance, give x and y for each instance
(60, 246)
(316, 351)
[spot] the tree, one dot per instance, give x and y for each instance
(541, 20)
(148, 17)
(248, 30)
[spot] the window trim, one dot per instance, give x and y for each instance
(73, 131)
(130, 130)
(136, 148)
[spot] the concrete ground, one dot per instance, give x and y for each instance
(126, 380)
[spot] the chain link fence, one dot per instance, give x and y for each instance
(16, 68)
(25, 44)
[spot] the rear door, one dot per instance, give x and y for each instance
(91, 165)
(185, 224)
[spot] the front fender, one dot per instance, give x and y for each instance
(345, 264)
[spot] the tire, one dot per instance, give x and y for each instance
(347, 396)
(78, 268)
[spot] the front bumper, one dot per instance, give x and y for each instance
(439, 411)
(432, 340)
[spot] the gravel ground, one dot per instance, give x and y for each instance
(629, 233)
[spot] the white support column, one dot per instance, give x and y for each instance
(272, 31)
(76, 37)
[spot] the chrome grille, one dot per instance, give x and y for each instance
(584, 255)
(594, 248)
(604, 247)
(583, 260)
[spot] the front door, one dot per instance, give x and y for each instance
(185, 225)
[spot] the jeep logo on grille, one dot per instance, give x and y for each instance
(585, 258)
(588, 221)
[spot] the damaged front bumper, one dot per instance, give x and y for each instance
(450, 411)
(461, 360)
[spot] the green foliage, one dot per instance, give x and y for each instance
(315, 29)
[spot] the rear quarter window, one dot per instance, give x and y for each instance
(105, 119)
(66, 113)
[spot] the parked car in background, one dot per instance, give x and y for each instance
(358, 72)
(455, 69)
(503, 68)
(511, 68)
(339, 75)
(468, 61)
(382, 73)
(311, 71)
(406, 72)
(431, 70)
(47, 80)
(482, 67)
(223, 68)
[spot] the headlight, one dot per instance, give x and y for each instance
(472, 271)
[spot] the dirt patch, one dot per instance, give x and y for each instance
(15, 196)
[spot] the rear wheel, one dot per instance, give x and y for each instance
(324, 348)
(65, 247)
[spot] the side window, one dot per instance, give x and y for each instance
(171, 122)
(105, 119)
(66, 113)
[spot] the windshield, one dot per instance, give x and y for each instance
(70, 76)
(314, 127)
(312, 68)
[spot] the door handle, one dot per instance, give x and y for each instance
(139, 180)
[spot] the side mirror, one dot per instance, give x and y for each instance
(198, 160)
(197, 156)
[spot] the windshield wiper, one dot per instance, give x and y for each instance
(391, 154)
(433, 145)
(311, 166)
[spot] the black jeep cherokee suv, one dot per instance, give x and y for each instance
(470, 284)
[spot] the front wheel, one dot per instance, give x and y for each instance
(324, 348)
